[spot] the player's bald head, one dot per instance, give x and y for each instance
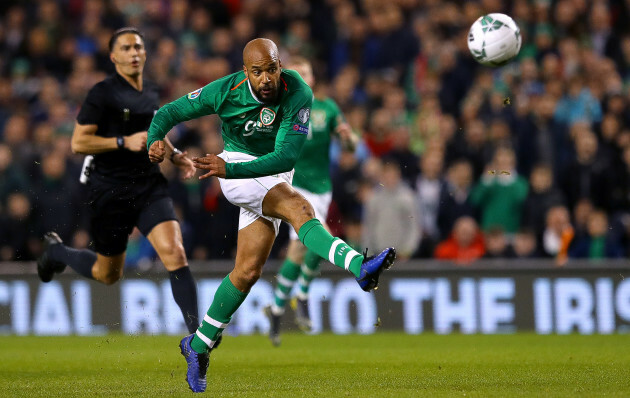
(259, 49)
(262, 66)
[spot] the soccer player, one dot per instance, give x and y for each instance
(125, 189)
(311, 180)
(265, 112)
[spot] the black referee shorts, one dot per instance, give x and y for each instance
(117, 207)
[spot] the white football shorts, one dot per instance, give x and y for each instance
(248, 193)
(320, 203)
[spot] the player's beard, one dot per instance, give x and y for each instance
(267, 97)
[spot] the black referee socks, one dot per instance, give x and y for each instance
(185, 295)
(81, 261)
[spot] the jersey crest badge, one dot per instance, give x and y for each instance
(194, 94)
(267, 116)
(304, 114)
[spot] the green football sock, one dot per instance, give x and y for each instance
(308, 271)
(286, 277)
(226, 301)
(315, 237)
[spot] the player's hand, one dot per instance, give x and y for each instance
(213, 163)
(157, 152)
(185, 165)
(136, 142)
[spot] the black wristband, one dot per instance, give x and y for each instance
(120, 141)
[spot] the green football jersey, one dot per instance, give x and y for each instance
(273, 132)
(312, 168)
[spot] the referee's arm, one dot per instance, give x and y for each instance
(85, 141)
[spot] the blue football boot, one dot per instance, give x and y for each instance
(197, 365)
(373, 266)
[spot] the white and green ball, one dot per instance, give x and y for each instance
(494, 39)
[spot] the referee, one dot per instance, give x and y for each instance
(125, 188)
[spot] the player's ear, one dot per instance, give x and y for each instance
(280, 63)
(245, 70)
(112, 57)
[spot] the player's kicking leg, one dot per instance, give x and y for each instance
(253, 248)
(283, 202)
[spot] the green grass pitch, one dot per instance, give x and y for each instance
(380, 365)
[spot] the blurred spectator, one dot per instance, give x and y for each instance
(379, 137)
(465, 244)
(578, 104)
(16, 137)
(56, 198)
(427, 123)
(346, 183)
(588, 175)
(454, 197)
(501, 193)
(496, 243)
(472, 146)
(540, 198)
(610, 133)
(429, 186)
(525, 244)
(402, 154)
(581, 214)
(558, 234)
(12, 178)
(597, 244)
(391, 215)
(620, 193)
(16, 236)
(540, 138)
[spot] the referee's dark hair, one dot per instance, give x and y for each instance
(121, 32)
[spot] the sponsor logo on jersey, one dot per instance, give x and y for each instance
(194, 94)
(304, 114)
(267, 116)
(252, 126)
(300, 128)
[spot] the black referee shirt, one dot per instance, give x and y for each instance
(119, 109)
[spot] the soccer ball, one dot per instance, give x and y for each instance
(494, 39)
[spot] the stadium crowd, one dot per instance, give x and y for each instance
(457, 161)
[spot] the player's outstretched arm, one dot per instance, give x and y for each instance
(199, 103)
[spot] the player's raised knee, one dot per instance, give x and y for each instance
(302, 206)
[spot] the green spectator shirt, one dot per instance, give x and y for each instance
(274, 132)
(312, 168)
